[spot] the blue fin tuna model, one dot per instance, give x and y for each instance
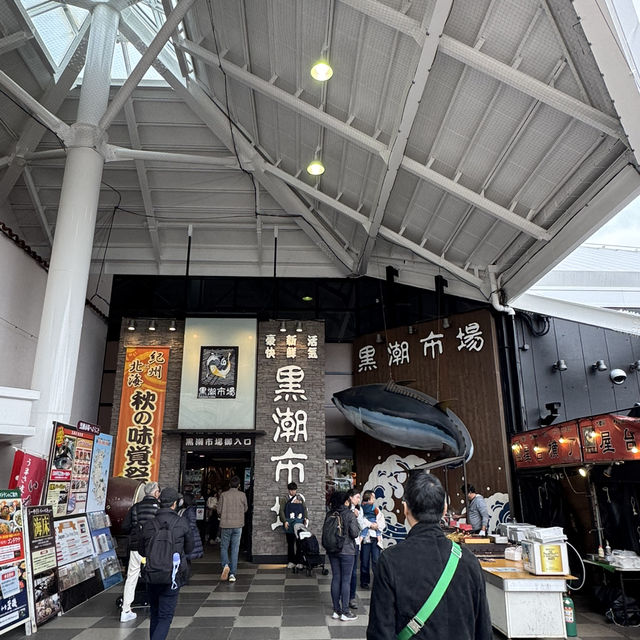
(404, 417)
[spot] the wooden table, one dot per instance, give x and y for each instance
(523, 605)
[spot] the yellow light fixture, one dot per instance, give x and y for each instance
(315, 168)
(321, 71)
(583, 472)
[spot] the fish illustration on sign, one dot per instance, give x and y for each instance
(405, 417)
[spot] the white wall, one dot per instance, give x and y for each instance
(22, 289)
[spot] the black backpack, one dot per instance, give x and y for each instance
(333, 533)
(158, 568)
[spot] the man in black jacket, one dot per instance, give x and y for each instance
(408, 572)
(132, 525)
(164, 597)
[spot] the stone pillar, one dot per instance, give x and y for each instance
(290, 386)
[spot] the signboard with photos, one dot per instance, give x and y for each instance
(14, 608)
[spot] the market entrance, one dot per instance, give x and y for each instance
(208, 463)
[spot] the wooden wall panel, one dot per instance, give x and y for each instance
(469, 380)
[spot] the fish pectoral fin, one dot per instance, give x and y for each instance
(406, 383)
(443, 405)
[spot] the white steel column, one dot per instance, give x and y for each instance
(61, 324)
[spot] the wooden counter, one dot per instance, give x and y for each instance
(523, 605)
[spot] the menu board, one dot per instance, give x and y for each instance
(13, 579)
(99, 478)
(44, 567)
(71, 455)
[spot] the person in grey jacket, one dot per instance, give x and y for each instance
(478, 514)
(231, 507)
(342, 563)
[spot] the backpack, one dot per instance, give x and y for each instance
(160, 549)
(332, 533)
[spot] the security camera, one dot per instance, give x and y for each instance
(618, 376)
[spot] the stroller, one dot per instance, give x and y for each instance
(310, 556)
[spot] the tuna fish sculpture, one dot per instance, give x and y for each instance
(404, 417)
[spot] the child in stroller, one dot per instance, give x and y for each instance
(310, 556)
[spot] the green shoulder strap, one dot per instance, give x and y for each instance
(417, 622)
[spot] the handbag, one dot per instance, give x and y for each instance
(417, 622)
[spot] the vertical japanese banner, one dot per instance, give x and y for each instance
(28, 475)
(144, 389)
(13, 570)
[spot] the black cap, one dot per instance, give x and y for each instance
(168, 496)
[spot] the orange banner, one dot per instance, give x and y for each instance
(144, 389)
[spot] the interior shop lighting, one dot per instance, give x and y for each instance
(172, 325)
(152, 325)
(599, 365)
(283, 327)
(321, 71)
(298, 327)
(307, 298)
(132, 325)
(315, 168)
(560, 365)
(583, 472)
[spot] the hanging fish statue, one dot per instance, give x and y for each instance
(404, 417)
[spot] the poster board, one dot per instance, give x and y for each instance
(104, 548)
(44, 566)
(99, 477)
(14, 609)
(68, 475)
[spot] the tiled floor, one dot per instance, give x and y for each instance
(266, 603)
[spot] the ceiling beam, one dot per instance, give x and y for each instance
(116, 153)
(281, 96)
(52, 99)
(14, 41)
(531, 86)
(35, 198)
(398, 144)
(386, 15)
(212, 115)
(478, 200)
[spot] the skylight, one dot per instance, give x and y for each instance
(58, 23)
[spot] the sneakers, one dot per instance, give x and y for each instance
(335, 615)
(128, 616)
(232, 578)
(353, 604)
(347, 617)
(225, 572)
(291, 565)
(300, 567)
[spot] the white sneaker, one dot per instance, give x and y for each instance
(335, 615)
(347, 617)
(232, 578)
(128, 616)
(300, 566)
(291, 566)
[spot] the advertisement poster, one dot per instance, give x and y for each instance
(44, 571)
(141, 417)
(73, 540)
(218, 375)
(13, 587)
(109, 565)
(99, 477)
(28, 474)
(68, 479)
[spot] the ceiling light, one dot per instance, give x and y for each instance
(152, 325)
(283, 327)
(560, 365)
(315, 168)
(132, 325)
(635, 366)
(583, 472)
(172, 325)
(599, 365)
(299, 327)
(307, 298)
(618, 376)
(379, 338)
(321, 71)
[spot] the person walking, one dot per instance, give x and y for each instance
(232, 506)
(132, 525)
(355, 498)
(342, 560)
(189, 512)
(163, 587)
(408, 572)
(293, 509)
(371, 538)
